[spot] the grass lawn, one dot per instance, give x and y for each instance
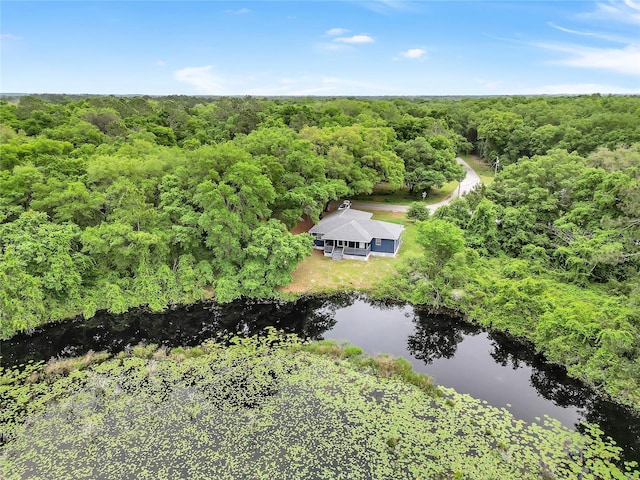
(320, 274)
(484, 171)
(383, 193)
(436, 196)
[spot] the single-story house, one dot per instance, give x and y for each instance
(351, 234)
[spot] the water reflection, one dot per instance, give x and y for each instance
(487, 365)
(185, 326)
(437, 336)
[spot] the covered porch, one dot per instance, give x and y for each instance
(338, 249)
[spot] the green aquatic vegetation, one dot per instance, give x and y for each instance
(383, 366)
(274, 408)
(144, 351)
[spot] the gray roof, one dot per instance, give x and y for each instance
(339, 217)
(355, 226)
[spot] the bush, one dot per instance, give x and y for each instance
(418, 211)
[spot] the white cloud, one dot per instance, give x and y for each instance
(161, 63)
(620, 60)
(307, 85)
(414, 54)
(202, 78)
(340, 43)
(324, 47)
(624, 59)
(603, 36)
(568, 30)
(627, 11)
(354, 39)
(336, 31)
(578, 89)
(390, 6)
(7, 42)
(241, 11)
(304, 85)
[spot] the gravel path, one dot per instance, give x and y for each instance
(468, 183)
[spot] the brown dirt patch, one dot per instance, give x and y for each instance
(303, 225)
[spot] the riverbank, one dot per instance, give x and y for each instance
(296, 411)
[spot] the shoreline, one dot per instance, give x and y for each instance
(211, 304)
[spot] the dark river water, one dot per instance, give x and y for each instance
(484, 364)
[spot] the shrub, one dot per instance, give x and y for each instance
(418, 211)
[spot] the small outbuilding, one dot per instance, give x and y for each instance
(351, 234)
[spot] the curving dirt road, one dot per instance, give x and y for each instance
(468, 183)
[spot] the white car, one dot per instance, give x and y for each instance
(346, 204)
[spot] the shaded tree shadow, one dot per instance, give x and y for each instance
(437, 336)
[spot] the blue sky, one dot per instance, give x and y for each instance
(320, 48)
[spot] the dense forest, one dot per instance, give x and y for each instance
(110, 203)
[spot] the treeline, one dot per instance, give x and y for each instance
(549, 251)
(108, 202)
(511, 128)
